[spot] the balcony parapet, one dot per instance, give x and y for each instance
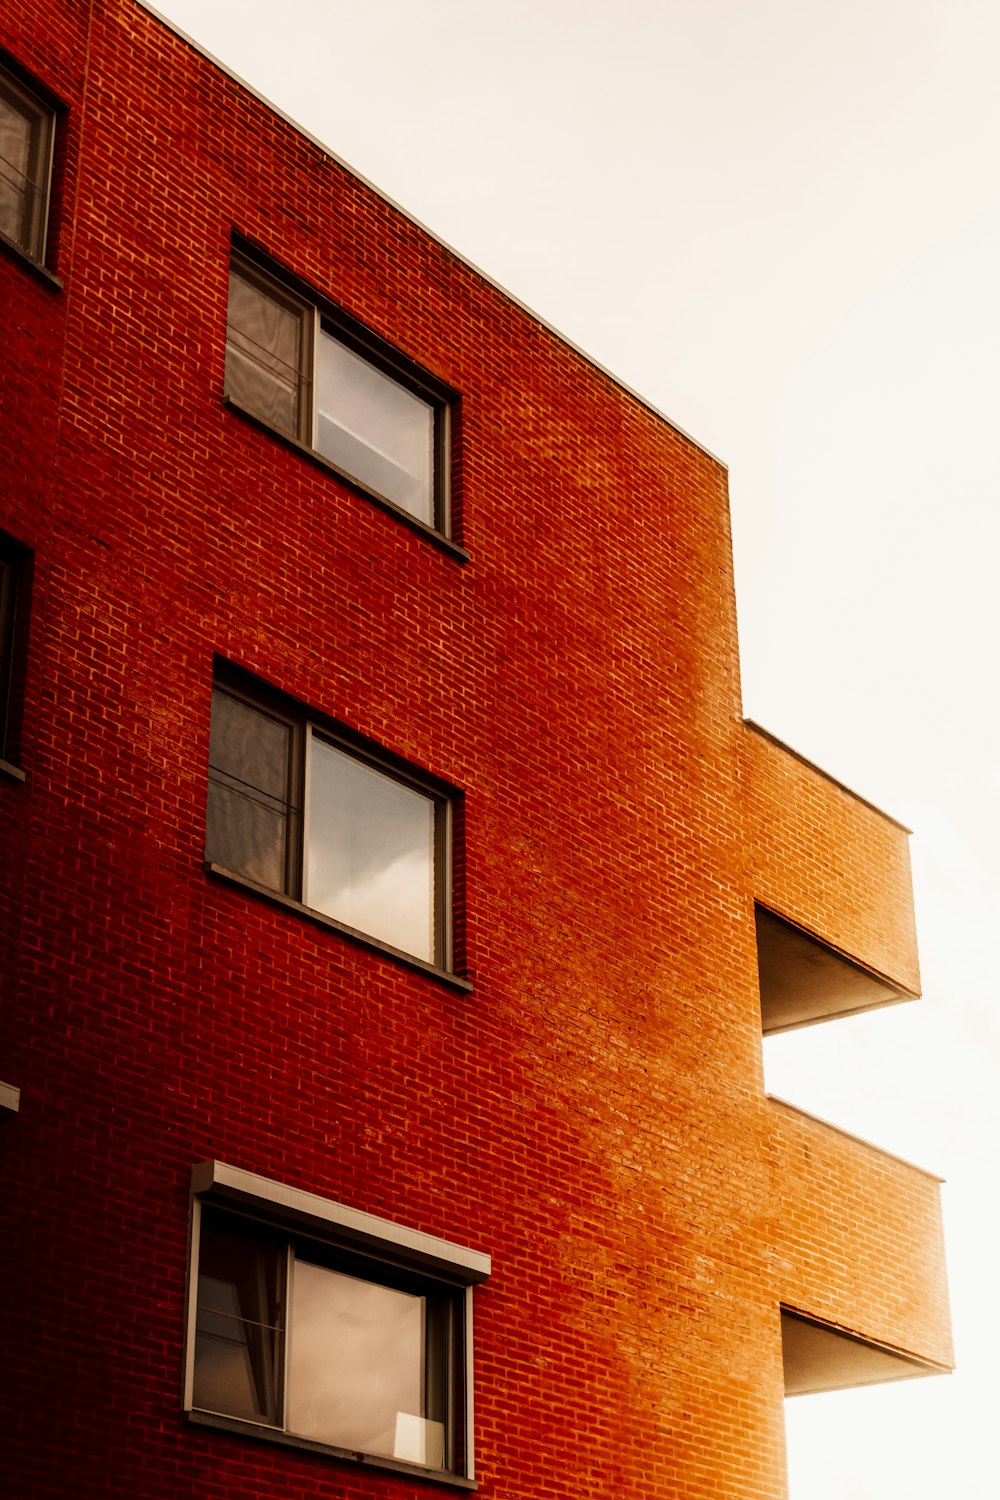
(859, 1252)
(830, 876)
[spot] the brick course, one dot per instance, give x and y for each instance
(592, 1114)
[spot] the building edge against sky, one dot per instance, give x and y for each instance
(395, 897)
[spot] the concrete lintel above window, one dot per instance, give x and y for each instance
(306, 1210)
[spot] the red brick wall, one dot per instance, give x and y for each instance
(592, 1114)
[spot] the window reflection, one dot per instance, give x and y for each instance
(356, 1360)
(363, 1362)
(302, 815)
(374, 428)
(371, 851)
(235, 1369)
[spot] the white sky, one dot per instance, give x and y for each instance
(780, 222)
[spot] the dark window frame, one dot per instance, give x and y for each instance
(305, 727)
(295, 1227)
(16, 568)
(319, 316)
(32, 99)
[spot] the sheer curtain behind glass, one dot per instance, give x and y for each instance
(23, 156)
(249, 792)
(264, 354)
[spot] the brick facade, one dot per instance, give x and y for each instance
(585, 1101)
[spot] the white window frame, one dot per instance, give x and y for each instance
(33, 244)
(318, 318)
(440, 1262)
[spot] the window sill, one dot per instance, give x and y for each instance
(11, 772)
(14, 250)
(362, 939)
(436, 538)
(290, 1440)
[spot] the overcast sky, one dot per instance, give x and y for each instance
(780, 222)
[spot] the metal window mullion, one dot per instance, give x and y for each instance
(310, 360)
(305, 793)
(285, 1325)
(44, 156)
(451, 1394)
(466, 1375)
(441, 471)
(442, 880)
(8, 605)
(194, 1255)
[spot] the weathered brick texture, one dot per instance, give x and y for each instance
(592, 1114)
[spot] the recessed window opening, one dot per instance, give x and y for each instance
(301, 810)
(26, 137)
(324, 381)
(15, 568)
(358, 1343)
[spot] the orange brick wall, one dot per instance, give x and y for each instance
(858, 1237)
(829, 861)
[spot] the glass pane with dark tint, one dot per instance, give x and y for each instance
(374, 428)
(7, 585)
(249, 791)
(237, 1339)
(264, 354)
(358, 1357)
(371, 851)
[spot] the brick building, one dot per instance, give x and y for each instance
(394, 894)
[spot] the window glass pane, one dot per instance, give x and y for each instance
(6, 613)
(374, 428)
(356, 1367)
(264, 354)
(6, 643)
(371, 851)
(248, 791)
(236, 1344)
(23, 146)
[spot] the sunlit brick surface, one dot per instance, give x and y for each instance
(592, 1115)
(830, 861)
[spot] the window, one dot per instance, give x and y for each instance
(306, 811)
(322, 380)
(15, 568)
(26, 135)
(328, 1327)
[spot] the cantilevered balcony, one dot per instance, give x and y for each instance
(859, 1259)
(830, 879)
(817, 1357)
(803, 980)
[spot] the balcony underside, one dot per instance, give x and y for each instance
(803, 981)
(819, 1358)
